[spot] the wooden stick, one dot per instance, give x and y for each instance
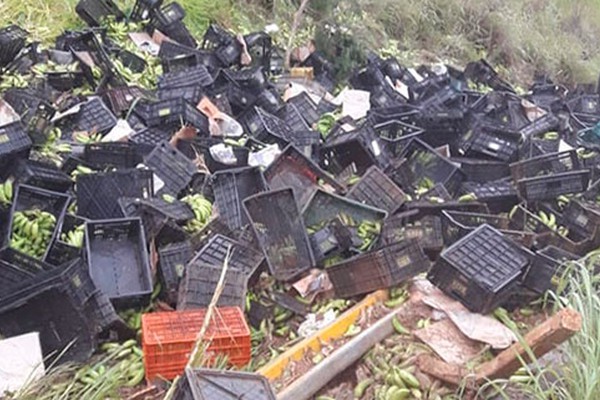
(295, 26)
(541, 339)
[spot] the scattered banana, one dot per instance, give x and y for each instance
(6, 193)
(32, 232)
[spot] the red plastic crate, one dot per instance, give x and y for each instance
(168, 339)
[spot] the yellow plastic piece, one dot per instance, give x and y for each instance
(336, 329)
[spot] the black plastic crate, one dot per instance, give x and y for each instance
(149, 138)
(323, 207)
(143, 9)
(241, 257)
(65, 81)
(379, 269)
(331, 240)
(198, 75)
(306, 107)
(211, 384)
(27, 197)
(546, 123)
(168, 14)
(231, 188)
(120, 99)
(162, 112)
(45, 176)
(61, 324)
(106, 155)
(457, 224)
(500, 196)
(265, 127)
(12, 41)
(585, 104)
(173, 168)
(581, 219)
(179, 32)
(93, 12)
(94, 116)
(172, 260)
(61, 253)
(192, 94)
(424, 167)
(548, 269)
(200, 281)
(290, 114)
(427, 231)
(118, 260)
(396, 135)
(552, 186)
(481, 269)
(493, 142)
(98, 193)
(14, 144)
(477, 170)
(293, 169)
(247, 78)
(547, 164)
(280, 231)
(377, 190)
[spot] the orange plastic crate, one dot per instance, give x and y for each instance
(168, 339)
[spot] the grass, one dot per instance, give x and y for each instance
(577, 377)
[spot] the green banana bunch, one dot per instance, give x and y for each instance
(325, 123)
(81, 170)
(368, 232)
(74, 237)
(32, 232)
(13, 80)
(87, 138)
(6, 193)
(202, 209)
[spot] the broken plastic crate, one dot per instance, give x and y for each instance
(379, 269)
(481, 269)
(457, 224)
(424, 167)
(581, 219)
(98, 193)
(279, 229)
(212, 384)
(239, 256)
(118, 260)
(169, 337)
(200, 281)
(331, 240)
(377, 190)
(293, 169)
(172, 260)
(231, 188)
(27, 197)
(14, 144)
